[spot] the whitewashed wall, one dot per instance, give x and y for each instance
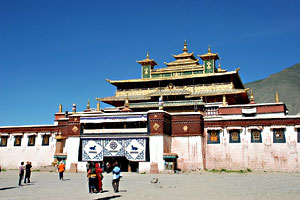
(255, 156)
(11, 156)
(189, 150)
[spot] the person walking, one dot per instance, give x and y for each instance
(116, 177)
(61, 169)
(99, 177)
(92, 176)
(27, 172)
(21, 173)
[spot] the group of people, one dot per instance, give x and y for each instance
(95, 177)
(25, 170)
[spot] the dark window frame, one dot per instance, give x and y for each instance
(15, 140)
(34, 138)
(276, 139)
(3, 145)
(209, 141)
(238, 135)
(43, 140)
(298, 134)
(252, 136)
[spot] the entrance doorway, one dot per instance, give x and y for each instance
(124, 164)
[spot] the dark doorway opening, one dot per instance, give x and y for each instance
(124, 164)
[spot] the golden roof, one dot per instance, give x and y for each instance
(169, 78)
(147, 61)
(209, 54)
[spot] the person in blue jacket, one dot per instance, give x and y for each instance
(116, 177)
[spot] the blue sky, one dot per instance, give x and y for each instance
(61, 52)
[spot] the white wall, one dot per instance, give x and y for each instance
(11, 156)
(189, 150)
(255, 156)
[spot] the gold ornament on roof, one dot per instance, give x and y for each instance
(276, 97)
(60, 108)
(88, 105)
(185, 47)
(209, 51)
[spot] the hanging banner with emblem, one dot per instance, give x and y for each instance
(134, 149)
(92, 150)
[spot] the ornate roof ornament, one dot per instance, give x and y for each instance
(147, 61)
(185, 47)
(88, 105)
(276, 97)
(60, 108)
(252, 97)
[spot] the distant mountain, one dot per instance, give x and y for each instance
(286, 83)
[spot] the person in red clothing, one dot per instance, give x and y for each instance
(99, 177)
(61, 169)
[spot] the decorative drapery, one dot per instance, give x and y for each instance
(94, 149)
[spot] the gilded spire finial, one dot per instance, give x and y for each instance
(60, 108)
(185, 47)
(147, 54)
(276, 97)
(251, 97)
(98, 106)
(88, 105)
(209, 49)
(219, 65)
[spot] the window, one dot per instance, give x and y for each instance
(234, 136)
(278, 135)
(45, 141)
(3, 141)
(213, 137)
(256, 136)
(298, 135)
(18, 139)
(31, 140)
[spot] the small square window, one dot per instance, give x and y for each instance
(213, 137)
(234, 136)
(256, 136)
(3, 141)
(18, 140)
(278, 135)
(31, 140)
(45, 141)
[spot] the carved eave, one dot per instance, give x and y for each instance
(209, 55)
(182, 62)
(147, 61)
(217, 92)
(185, 55)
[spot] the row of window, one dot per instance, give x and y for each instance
(213, 136)
(18, 140)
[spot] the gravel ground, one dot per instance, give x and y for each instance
(200, 185)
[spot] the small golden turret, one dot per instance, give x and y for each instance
(276, 97)
(88, 105)
(251, 97)
(185, 47)
(224, 100)
(98, 106)
(60, 108)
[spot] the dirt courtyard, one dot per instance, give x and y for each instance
(200, 185)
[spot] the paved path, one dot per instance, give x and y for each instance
(203, 185)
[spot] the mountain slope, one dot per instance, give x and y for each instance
(286, 82)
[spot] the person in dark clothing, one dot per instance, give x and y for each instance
(92, 175)
(27, 172)
(21, 172)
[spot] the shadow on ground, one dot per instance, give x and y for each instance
(7, 188)
(110, 197)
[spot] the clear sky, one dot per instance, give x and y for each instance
(60, 52)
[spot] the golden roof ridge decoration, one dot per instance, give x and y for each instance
(147, 61)
(209, 54)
